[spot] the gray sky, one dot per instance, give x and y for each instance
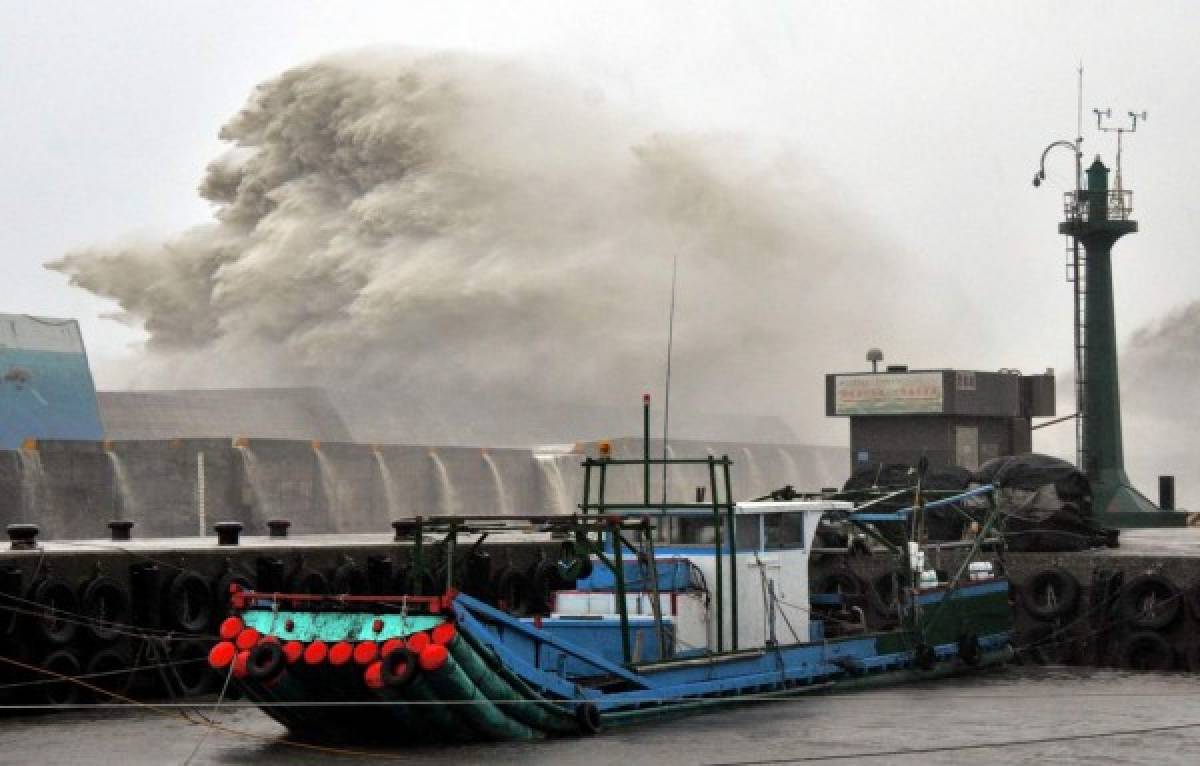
(928, 119)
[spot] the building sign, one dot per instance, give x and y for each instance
(888, 394)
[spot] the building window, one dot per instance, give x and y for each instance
(964, 381)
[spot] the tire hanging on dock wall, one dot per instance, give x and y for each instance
(60, 662)
(106, 605)
(1147, 650)
(188, 602)
(58, 605)
(1050, 594)
(109, 669)
(1151, 602)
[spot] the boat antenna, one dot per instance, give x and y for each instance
(667, 396)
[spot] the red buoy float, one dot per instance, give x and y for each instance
(293, 651)
(315, 653)
(230, 628)
(433, 657)
(417, 642)
(340, 653)
(221, 655)
(366, 652)
(443, 634)
(373, 675)
(247, 639)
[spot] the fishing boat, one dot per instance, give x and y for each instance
(650, 609)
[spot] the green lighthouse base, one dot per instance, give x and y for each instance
(1117, 503)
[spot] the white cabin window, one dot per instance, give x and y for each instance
(697, 530)
(783, 530)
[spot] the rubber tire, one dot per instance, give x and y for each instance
(104, 600)
(308, 581)
(394, 678)
(1064, 586)
(66, 662)
(969, 650)
(266, 663)
(1132, 600)
(348, 579)
(221, 589)
(188, 602)
(1045, 644)
(57, 594)
(108, 660)
(196, 677)
(1147, 645)
(512, 592)
(587, 715)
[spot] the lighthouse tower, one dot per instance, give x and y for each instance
(1097, 217)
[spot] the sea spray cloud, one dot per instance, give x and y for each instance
(442, 231)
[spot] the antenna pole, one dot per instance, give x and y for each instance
(1079, 134)
(667, 396)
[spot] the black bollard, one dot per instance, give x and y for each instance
(405, 528)
(120, 530)
(23, 536)
(228, 532)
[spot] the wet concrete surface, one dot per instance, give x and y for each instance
(1015, 716)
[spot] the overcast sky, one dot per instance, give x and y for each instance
(928, 118)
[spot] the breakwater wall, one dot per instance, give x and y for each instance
(180, 487)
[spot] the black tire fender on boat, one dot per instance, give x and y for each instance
(266, 662)
(1150, 602)
(924, 656)
(587, 715)
(60, 662)
(969, 650)
(1050, 593)
(57, 624)
(398, 668)
(1147, 650)
(188, 604)
(106, 605)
